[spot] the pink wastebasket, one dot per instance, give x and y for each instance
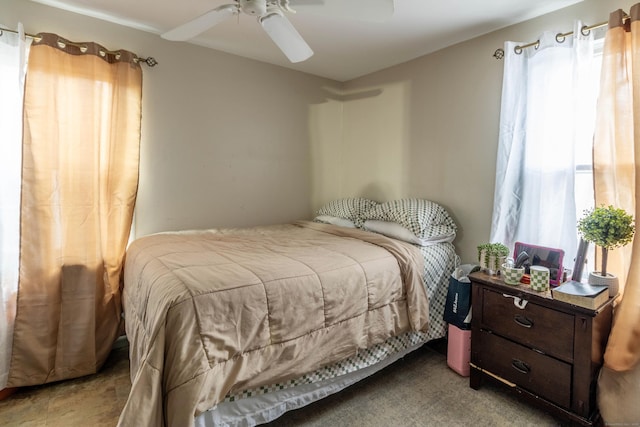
(459, 350)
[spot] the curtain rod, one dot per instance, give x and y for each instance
(499, 53)
(150, 61)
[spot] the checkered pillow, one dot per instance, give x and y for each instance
(424, 218)
(350, 208)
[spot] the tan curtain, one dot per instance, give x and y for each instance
(613, 152)
(79, 183)
(616, 158)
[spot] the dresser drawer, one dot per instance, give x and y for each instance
(538, 373)
(541, 328)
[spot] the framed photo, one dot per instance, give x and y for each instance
(539, 255)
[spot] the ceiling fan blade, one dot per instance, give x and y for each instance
(362, 10)
(286, 37)
(202, 23)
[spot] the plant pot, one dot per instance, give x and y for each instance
(595, 278)
(491, 264)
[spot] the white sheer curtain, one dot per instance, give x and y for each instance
(548, 108)
(13, 57)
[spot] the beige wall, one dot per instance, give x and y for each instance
(352, 156)
(434, 125)
(231, 142)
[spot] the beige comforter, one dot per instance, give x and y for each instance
(216, 311)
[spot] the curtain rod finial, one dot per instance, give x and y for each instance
(150, 61)
(499, 53)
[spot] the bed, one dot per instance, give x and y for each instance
(237, 326)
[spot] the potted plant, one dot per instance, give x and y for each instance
(491, 256)
(608, 228)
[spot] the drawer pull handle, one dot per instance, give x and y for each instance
(523, 321)
(520, 366)
(518, 302)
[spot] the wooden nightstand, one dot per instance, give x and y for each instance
(547, 351)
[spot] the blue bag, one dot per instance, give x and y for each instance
(457, 309)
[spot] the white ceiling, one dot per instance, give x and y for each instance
(344, 48)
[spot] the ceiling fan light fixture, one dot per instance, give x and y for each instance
(285, 36)
(254, 7)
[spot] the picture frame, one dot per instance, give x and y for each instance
(551, 258)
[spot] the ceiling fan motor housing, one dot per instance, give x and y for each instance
(254, 7)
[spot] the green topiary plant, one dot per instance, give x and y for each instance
(608, 228)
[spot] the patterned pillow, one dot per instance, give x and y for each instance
(424, 218)
(397, 231)
(350, 208)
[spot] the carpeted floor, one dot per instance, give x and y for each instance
(419, 390)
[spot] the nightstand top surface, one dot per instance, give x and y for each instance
(525, 291)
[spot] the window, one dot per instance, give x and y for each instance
(584, 161)
(544, 172)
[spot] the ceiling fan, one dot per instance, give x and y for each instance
(271, 15)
